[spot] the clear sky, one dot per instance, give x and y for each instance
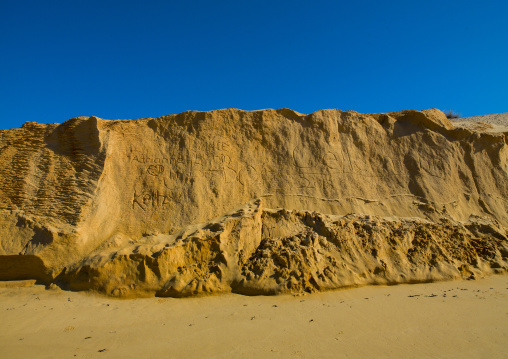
(131, 59)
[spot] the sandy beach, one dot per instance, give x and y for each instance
(435, 320)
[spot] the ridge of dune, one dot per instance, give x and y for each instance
(254, 202)
(495, 123)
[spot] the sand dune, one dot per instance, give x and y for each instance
(259, 202)
(495, 123)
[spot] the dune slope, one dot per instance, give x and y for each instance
(259, 202)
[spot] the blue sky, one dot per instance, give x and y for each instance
(132, 59)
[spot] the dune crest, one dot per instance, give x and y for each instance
(254, 202)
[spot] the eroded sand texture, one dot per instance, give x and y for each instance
(260, 202)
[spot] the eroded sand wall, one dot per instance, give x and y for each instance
(75, 191)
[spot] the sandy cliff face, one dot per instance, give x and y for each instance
(256, 202)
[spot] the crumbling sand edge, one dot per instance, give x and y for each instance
(119, 206)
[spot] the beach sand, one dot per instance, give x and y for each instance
(440, 320)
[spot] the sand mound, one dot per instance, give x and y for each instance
(497, 122)
(259, 202)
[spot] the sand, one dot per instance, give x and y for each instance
(251, 202)
(454, 319)
(232, 202)
(489, 123)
